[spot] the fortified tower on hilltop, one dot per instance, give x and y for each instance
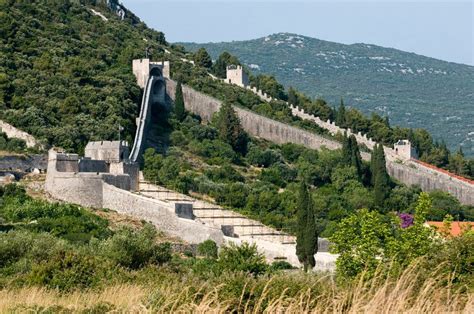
(143, 68)
(236, 75)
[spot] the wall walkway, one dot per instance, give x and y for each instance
(406, 171)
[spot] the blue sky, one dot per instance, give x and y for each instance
(439, 29)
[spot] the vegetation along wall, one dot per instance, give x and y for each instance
(409, 173)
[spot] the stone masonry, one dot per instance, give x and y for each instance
(142, 68)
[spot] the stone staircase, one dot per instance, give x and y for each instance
(231, 223)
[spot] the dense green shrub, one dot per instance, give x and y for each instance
(216, 151)
(224, 174)
(280, 265)
(203, 132)
(178, 138)
(135, 249)
(11, 144)
(207, 249)
(263, 158)
(67, 221)
(244, 258)
(68, 270)
(233, 195)
(456, 258)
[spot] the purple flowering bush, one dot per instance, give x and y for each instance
(407, 220)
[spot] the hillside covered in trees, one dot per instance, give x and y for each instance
(413, 90)
(65, 73)
(65, 77)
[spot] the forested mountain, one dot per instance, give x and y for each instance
(413, 90)
(65, 70)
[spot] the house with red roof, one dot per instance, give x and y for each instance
(457, 227)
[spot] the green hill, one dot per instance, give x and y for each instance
(413, 90)
(65, 72)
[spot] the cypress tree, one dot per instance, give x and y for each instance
(230, 130)
(306, 236)
(351, 154)
(380, 178)
(346, 150)
(179, 109)
(292, 96)
(356, 158)
(341, 115)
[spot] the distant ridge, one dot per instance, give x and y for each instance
(413, 90)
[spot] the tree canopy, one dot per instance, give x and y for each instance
(203, 59)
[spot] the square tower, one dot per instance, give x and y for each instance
(109, 151)
(236, 75)
(404, 150)
(143, 68)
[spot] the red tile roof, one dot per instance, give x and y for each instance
(456, 226)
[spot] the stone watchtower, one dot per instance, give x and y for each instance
(143, 68)
(236, 75)
(404, 150)
(109, 151)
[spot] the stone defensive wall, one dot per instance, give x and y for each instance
(13, 132)
(255, 124)
(406, 171)
(142, 121)
(416, 173)
(107, 190)
(161, 214)
(236, 228)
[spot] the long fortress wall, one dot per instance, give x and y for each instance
(255, 124)
(414, 173)
(406, 171)
(161, 214)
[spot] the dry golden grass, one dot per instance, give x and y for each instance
(407, 294)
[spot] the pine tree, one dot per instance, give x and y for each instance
(220, 66)
(202, 58)
(179, 109)
(292, 96)
(306, 236)
(341, 115)
(380, 178)
(230, 130)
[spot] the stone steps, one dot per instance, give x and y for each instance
(213, 215)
